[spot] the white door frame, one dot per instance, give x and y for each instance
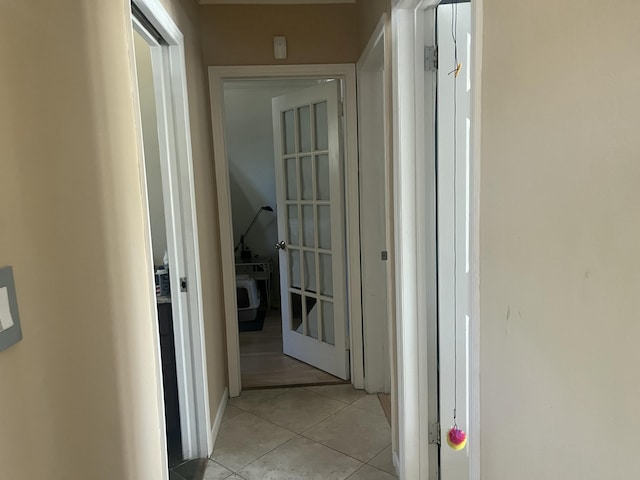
(346, 72)
(416, 268)
(170, 82)
(373, 67)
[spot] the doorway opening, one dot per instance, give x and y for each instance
(265, 359)
(158, 71)
(306, 219)
(436, 71)
(157, 224)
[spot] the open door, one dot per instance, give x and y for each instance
(309, 184)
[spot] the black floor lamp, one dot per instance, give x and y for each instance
(245, 253)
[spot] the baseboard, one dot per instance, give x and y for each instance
(213, 435)
(396, 462)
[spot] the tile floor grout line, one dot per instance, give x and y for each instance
(371, 466)
(277, 446)
(333, 414)
(362, 464)
(365, 410)
(343, 453)
(313, 425)
(308, 388)
(297, 435)
(180, 477)
(264, 419)
(286, 389)
(379, 454)
(272, 423)
(226, 468)
(380, 470)
(325, 418)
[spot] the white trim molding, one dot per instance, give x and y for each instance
(346, 72)
(374, 83)
(170, 81)
(414, 164)
(477, 9)
(273, 2)
(215, 429)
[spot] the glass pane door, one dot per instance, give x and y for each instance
(309, 180)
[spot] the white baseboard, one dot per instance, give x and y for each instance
(396, 462)
(213, 435)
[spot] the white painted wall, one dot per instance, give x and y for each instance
(151, 148)
(559, 237)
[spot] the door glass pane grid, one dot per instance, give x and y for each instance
(305, 322)
(323, 203)
(307, 178)
(295, 302)
(314, 181)
(321, 126)
(324, 226)
(310, 276)
(309, 227)
(308, 157)
(321, 170)
(325, 269)
(304, 128)
(312, 316)
(288, 132)
(328, 333)
(292, 226)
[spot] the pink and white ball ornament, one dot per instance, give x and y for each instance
(456, 438)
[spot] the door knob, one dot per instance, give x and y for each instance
(281, 245)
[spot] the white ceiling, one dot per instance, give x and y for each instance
(271, 2)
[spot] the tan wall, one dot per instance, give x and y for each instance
(243, 34)
(186, 14)
(369, 13)
(560, 229)
(79, 394)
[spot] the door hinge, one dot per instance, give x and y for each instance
(384, 255)
(341, 108)
(434, 434)
(183, 284)
(431, 59)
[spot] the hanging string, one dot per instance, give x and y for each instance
(455, 72)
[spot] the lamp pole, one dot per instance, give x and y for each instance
(245, 253)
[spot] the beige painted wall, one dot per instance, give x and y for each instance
(186, 14)
(369, 13)
(243, 34)
(560, 229)
(80, 392)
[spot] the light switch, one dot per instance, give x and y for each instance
(280, 48)
(10, 329)
(6, 320)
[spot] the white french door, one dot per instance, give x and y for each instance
(310, 199)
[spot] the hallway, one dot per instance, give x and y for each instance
(331, 432)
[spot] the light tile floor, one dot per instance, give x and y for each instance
(309, 433)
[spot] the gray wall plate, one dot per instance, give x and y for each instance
(13, 334)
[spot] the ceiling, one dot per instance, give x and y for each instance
(271, 2)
